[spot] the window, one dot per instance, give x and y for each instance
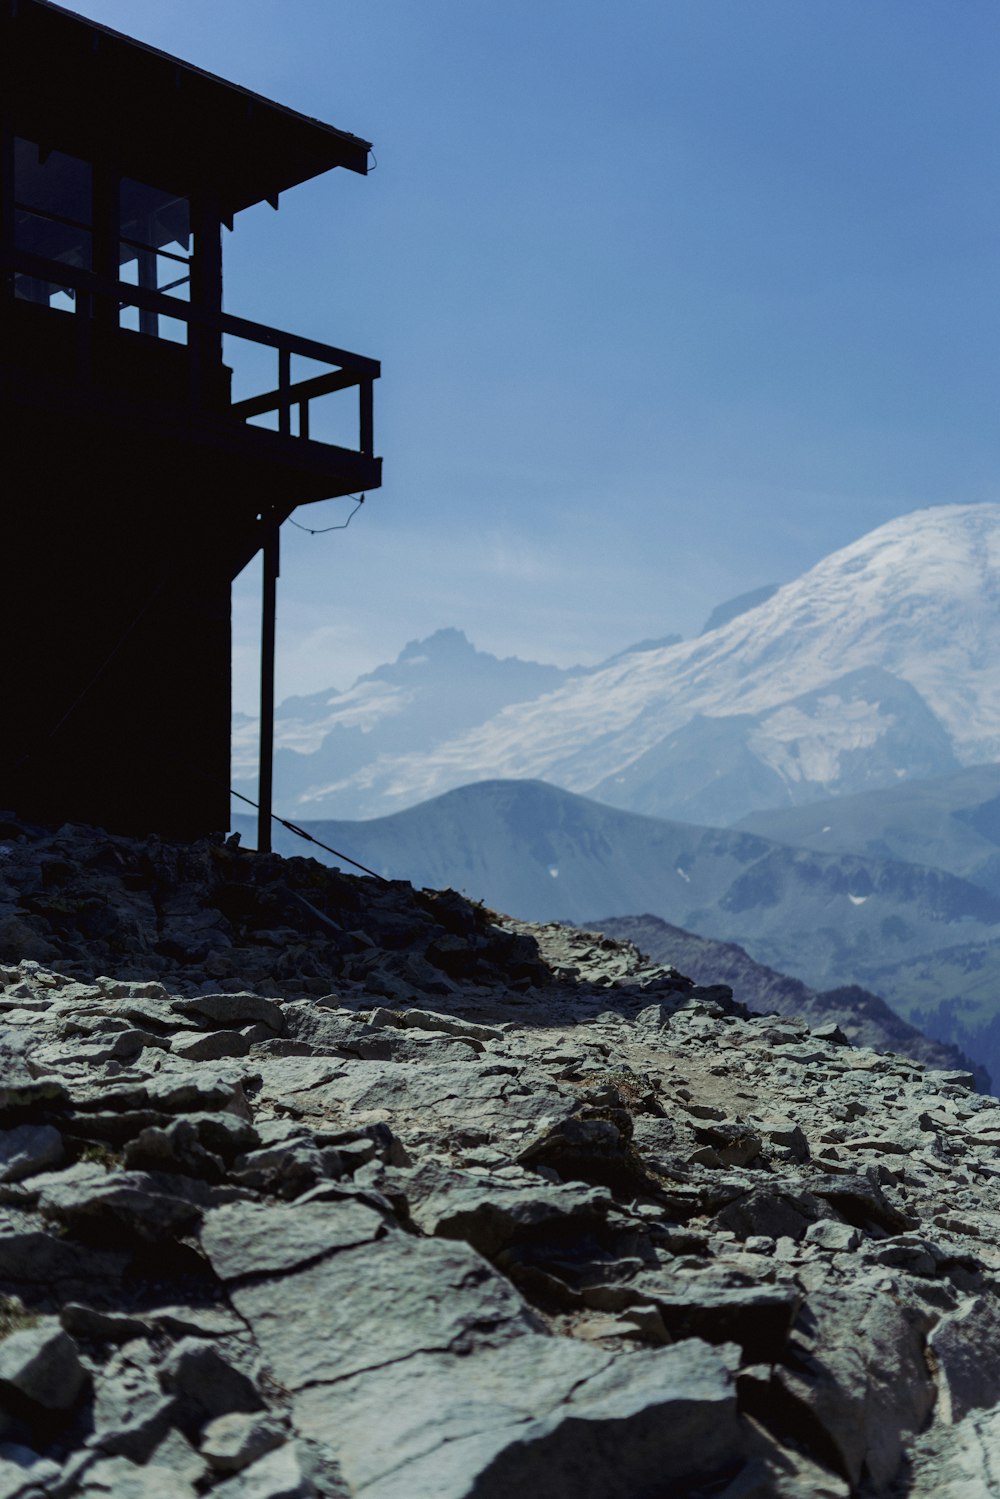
(154, 253)
(53, 218)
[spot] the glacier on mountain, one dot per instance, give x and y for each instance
(881, 662)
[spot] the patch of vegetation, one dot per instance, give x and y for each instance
(635, 1092)
(98, 1154)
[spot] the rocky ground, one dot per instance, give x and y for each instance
(865, 1019)
(314, 1187)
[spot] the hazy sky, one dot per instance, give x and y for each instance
(672, 297)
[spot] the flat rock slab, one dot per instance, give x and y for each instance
(28, 1148)
(281, 1076)
(232, 1010)
(966, 1351)
(264, 1238)
(489, 1095)
(859, 1369)
(200, 1321)
(90, 1200)
(208, 1046)
(488, 1214)
(30, 1257)
(279, 1475)
(21, 1469)
(959, 1462)
(231, 1443)
(42, 1364)
(758, 1318)
(382, 1301)
(20, 1089)
(430, 1020)
(193, 1091)
(117, 1478)
(545, 1416)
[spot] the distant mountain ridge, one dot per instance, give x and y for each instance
(864, 1018)
(723, 613)
(951, 822)
(919, 937)
(881, 664)
(436, 688)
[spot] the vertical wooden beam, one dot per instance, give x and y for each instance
(206, 298)
(366, 436)
(149, 322)
(269, 609)
(6, 180)
(106, 240)
(284, 400)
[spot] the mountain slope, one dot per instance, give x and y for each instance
(543, 854)
(880, 664)
(864, 1018)
(951, 822)
(854, 732)
(536, 851)
(435, 689)
(723, 613)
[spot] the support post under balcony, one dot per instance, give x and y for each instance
(269, 605)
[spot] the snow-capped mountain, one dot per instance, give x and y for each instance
(435, 690)
(879, 664)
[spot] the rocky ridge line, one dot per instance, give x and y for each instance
(436, 1205)
(865, 1019)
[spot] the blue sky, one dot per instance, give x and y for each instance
(673, 297)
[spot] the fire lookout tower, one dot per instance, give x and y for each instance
(139, 482)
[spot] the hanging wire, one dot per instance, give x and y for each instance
(322, 530)
(293, 827)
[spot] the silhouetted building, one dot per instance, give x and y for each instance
(138, 478)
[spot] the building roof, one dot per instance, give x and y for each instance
(81, 87)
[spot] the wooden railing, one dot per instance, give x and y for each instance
(99, 302)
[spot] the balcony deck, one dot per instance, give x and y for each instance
(98, 382)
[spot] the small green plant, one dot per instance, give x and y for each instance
(98, 1154)
(631, 1089)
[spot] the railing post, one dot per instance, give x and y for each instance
(366, 440)
(203, 334)
(6, 177)
(284, 401)
(269, 608)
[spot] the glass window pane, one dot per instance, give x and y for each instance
(52, 182)
(154, 253)
(53, 239)
(173, 330)
(45, 293)
(151, 217)
(172, 278)
(52, 215)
